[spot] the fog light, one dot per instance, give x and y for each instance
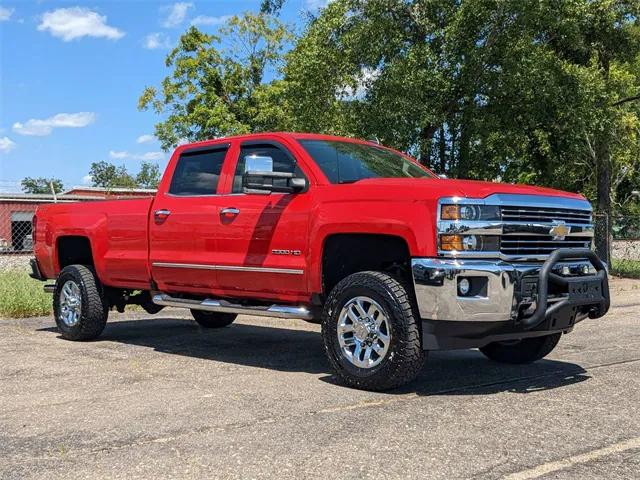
(464, 286)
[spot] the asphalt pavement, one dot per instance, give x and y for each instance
(160, 397)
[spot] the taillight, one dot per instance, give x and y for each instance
(34, 224)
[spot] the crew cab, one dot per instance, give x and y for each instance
(392, 260)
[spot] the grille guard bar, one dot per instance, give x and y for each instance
(578, 293)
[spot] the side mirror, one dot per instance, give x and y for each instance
(283, 182)
(259, 177)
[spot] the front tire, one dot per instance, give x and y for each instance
(79, 305)
(213, 319)
(370, 334)
(526, 350)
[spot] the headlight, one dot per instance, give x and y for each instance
(469, 243)
(469, 212)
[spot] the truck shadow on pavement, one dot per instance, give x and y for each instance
(461, 372)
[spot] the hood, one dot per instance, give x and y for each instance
(440, 187)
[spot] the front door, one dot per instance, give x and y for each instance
(185, 222)
(262, 240)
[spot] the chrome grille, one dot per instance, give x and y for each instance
(539, 244)
(519, 227)
(541, 214)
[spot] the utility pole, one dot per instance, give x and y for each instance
(53, 191)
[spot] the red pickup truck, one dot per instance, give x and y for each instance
(392, 260)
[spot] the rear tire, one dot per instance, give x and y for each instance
(526, 350)
(213, 319)
(370, 334)
(79, 305)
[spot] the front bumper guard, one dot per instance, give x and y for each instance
(590, 290)
(503, 298)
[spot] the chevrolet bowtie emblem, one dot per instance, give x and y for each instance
(559, 231)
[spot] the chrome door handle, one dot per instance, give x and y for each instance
(161, 214)
(230, 211)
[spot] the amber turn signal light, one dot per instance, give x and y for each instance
(450, 212)
(451, 242)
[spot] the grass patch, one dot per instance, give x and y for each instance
(626, 268)
(22, 296)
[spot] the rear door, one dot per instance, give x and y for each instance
(262, 239)
(184, 222)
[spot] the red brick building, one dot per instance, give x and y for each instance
(16, 211)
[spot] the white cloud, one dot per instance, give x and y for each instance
(87, 180)
(145, 139)
(40, 128)
(206, 20)
(5, 13)
(154, 41)
(176, 14)
(6, 144)
(316, 4)
(78, 22)
(148, 156)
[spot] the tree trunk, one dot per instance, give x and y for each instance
(603, 179)
(443, 151)
(603, 220)
(463, 160)
(426, 138)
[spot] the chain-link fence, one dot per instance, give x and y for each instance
(623, 243)
(16, 240)
(625, 246)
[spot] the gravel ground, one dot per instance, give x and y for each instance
(158, 397)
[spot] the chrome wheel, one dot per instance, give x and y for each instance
(364, 332)
(70, 304)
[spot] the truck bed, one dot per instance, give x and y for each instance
(118, 231)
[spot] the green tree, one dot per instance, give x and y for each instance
(536, 92)
(106, 175)
(41, 185)
(148, 176)
(213, 92)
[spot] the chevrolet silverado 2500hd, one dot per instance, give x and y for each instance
(392, 260)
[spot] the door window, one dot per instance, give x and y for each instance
(198, 172)
(266, 156)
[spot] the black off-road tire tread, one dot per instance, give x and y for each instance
(528, 350)
(409, 356)
(95, 309)
(213, 319)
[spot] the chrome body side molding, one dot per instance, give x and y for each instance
(234, 268)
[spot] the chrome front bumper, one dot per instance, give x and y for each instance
(436, 287)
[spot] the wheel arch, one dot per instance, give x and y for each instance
(74, 250)
(347, 253)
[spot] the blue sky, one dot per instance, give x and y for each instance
(71, 74)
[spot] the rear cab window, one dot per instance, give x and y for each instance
(198, 172)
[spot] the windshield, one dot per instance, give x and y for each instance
(347, 162)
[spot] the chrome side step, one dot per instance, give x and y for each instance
(223, 306)
(49, 288)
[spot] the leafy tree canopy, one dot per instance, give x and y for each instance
(213, 92)
(544, 92)
(149, 175)
(106, 175)
(41, 185)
